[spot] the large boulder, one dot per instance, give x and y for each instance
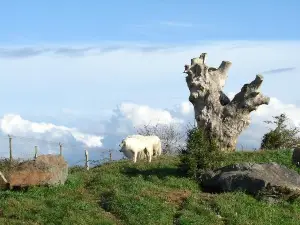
(264, 180)
(44, 170)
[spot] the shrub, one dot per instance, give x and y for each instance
(200, 153)
(282, 137)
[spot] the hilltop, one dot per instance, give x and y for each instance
(125, 193)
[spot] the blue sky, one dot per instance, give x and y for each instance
(88, 73)
(92, 21)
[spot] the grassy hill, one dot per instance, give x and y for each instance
(126, 193)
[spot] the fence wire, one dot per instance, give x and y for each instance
(26, 148)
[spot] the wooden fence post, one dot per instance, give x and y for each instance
(110, 155)
(10, 148)
(87, 160)
(60, 149)
(35, 151)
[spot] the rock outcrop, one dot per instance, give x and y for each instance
(222, 118)
(264, 180)
(44, 170)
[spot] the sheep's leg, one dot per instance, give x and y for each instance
(154, 153)
(134, 157)
(146, 153)
(149, 156)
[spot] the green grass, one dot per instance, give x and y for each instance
(157, 193)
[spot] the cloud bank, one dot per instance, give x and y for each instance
(15, 124)
(47, 136)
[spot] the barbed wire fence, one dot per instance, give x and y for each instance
(17, 149)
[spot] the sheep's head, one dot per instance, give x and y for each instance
(121, 145)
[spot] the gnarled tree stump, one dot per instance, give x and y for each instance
(221, 118)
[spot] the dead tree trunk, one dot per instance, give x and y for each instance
(221, 118)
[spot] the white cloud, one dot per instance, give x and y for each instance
(15, 125)
(120, 71)
(231, 95)
(132, 115)
(251, 137)
(186, 107)
(277, 107)
(89, 140)
(143, 114)
(129, 117)
(248, 140)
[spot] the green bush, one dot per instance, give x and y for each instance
(200, 153)
(272, 140)
(282, 137)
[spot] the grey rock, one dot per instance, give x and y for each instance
(222, 118)
(262, 180)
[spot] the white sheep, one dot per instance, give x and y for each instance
(139, 147)
(132, 147)
(153, 140)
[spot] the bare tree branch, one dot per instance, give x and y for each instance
(172, 136)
